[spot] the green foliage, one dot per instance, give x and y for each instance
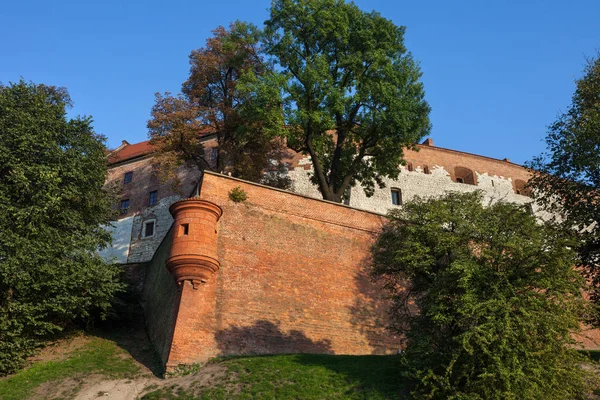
(52, 207)
(237, 195)
(498, 300)
(299, 376)
(352, 96)
(231, 93)
(566, 178)
(97, 357)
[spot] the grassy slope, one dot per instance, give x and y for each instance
(295, 376)
(298, 376)
(99, 356)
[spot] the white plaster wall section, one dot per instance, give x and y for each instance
(301, 183)
(143, 249)
(417, 183)
(120, 232)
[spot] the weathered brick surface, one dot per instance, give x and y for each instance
(138, 191)
(293, 278)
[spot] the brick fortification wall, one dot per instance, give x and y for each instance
(292, 279)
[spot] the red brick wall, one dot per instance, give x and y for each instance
(293, 278)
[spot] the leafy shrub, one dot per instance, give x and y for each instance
(237, 195)
(497, 295)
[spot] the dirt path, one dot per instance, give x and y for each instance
(124, 389)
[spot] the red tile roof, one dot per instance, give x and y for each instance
(129, 151)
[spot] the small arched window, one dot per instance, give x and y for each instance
(410, 167)
(521, 188)
(426, 169)
(464, 175)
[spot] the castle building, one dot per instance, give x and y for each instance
(282, 271)
(430, 171)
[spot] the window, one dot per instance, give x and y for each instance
(426, 170)
(148, 230)
(396, 197)
(124, 206)
(128, 177)
(155, 172)
(347, 196)
(409, 166)
(152, 198)
(521, 188)
(185, 229)
(464, 175)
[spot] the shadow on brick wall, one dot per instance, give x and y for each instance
(370, 314)
(265, 337)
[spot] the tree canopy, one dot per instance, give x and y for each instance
(487, 297)
(352, 93)
(222, 97)
(52, 207)
(566, 178)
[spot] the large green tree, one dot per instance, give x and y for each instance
(487, 297)
(222, 96)
(353, 99)
(52, 207)
(566, 179)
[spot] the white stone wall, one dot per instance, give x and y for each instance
(142, 249)
(415, 183)
(121, 237)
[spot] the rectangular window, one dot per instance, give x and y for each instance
(396, 197)
(128, 177)
(152, 198)
(185, 229)
(124, 206)
(148, 229)
(347, 193)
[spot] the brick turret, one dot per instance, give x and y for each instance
(193, 254)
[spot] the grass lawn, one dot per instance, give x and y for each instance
(297, 376)
(98, 356)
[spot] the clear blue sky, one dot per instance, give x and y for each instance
(496, 72)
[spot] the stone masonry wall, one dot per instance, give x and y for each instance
(293, 279)
(433, 173)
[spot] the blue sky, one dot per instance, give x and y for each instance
(496, 72)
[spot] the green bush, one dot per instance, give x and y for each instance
(497, 295)
(237, 195)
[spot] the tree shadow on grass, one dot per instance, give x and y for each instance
(127, 330)
(371, 376)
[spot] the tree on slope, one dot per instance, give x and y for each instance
(51, 210)
(353, 96)
(498, 300)
(218, 98)
(566, 178)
